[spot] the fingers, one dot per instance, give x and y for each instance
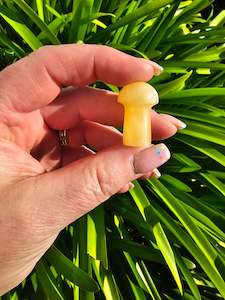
(99, 136)
(162, 128)
(154, 173)
(126, 188)
(179, 124)
(73, 105)
(100, 106)
(95, 135)
(38, 78)
(77, 188)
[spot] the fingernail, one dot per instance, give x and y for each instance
(176, 122)
(127, 187)
(156, 173)
(146, 176)
(181, 125)
(130, 186)
(150, 158)
(157, 68)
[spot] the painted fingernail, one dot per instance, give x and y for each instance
(156, 173)
(157, 68)
(130, 186)
(176, 122)
(150, 158)
(181, 125)
(146, 176)
(127, 187)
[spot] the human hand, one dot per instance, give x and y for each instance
(44, 187)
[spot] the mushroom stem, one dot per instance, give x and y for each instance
(137, 126)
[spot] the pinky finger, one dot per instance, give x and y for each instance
(126, 188)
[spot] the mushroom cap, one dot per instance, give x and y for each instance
(138, 93)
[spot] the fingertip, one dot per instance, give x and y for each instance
(154, 173)
(119, 68)
(148, 69)
(158, 70)
(162, 128)
(126, 188)
(150, 158)
(176, 122)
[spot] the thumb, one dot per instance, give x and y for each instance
(77, 188)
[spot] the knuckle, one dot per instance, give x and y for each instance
(42, 50)
(104, 182)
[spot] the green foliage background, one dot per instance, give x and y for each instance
(165, 238)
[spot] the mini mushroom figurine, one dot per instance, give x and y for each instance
(137, 99)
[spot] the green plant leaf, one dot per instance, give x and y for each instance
(191, 246)
(176, 183)
(34, 17)
(167, 252)
(105, 280)
(146, 9)
(215, 182)
(40, 9)
(11, 45)
(174, 85)
(65, 267)
(201, 131)
(187, 275)
(142, 202)
(204, 147)
(49, 287)
(139, 270)
(96, 246)
(20, 28)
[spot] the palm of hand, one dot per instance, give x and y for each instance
(23, 156)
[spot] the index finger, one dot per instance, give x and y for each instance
(36, 80)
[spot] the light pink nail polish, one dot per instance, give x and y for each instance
(126, 188)
(130, 186)
(181, 125)
(150, 158)
(157, 68)
(162, 152)
(156, 173)
(176, 122)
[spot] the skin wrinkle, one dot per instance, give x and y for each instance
(83, 135)
(41, 54)
(77, 77)
(48, 74)
(46, 226)
(43, 51)
(67, 196)
(104, 184)
(17, 89)
(94, 68)
(75, 201)
(27, 263)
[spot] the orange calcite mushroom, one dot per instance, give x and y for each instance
(137, 98)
